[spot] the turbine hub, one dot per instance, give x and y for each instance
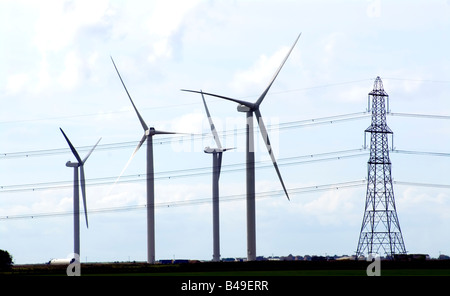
(214, 150)
(210, 150)
(150, 132)
(243, 108)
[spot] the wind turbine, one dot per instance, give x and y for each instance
(217, 163)
(253, 108)
(148, 136)
(76, 192)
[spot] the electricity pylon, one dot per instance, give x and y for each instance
(380, 231)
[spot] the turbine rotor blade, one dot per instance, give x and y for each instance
(131, 158)
(248, 104)
(263, 95)
(74, 151)
(90, 152)
(211, 124)
(144, 125)
(219, 163)
(156, 132)
(83, 192)
(265, 136)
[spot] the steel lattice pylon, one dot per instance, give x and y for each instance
(380, 230)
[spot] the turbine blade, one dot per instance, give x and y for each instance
(156, 132)
(74, 151)
(83, 192)
(131, 158)
(90, 152)
(211, 124)
(248, 104)
(263, 95)
(219, 158)
(135, 109)
(265, 136)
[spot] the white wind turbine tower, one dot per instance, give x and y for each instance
(148, 136)
(217, 163)
(249, 108)
(76, 192)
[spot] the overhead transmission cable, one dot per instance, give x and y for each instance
(295, 160)
(182, 104)
(417, 115)
(227, 198)
(192, 137)
(197, 201)
(227, 168)
(195, 137)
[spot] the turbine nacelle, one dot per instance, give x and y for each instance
(72, 164)
(244, 108)
(212, 150)
(215, 150)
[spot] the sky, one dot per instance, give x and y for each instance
(56, 72)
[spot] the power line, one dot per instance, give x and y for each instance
(416, 115)
(192, 137)
(183, 104)
(426, 153)
(226, 168)
(227, 198)
(317, 87)
(429, 185)
(243, 97)
(417, 80)
(196, 137)
(197, 201)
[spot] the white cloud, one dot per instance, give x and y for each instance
(163, 23)
(354, 94)
(60, 21)
(334, 207)
(16, 83)
(330, 54)
(189, 123)
(260, 73)
(43, 76)
(119, 195)
(70, 77)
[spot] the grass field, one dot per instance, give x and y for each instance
(400, 272)
(241, 269)
(233, 278)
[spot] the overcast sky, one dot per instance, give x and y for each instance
(56, 72)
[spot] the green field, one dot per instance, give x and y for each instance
(233, 278)
(255, 269)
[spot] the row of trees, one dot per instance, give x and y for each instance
(5, 261)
